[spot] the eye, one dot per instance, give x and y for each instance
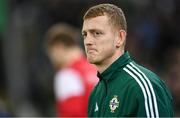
(97, 34)
(84, 35)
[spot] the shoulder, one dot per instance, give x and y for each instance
(137, 71)
(68, 83)
(153, 90)
(148, 82)
(67, 72)
(145, 79)
(68, 75)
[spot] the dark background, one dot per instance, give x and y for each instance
(26, 75)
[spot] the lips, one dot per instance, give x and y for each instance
(91, 50)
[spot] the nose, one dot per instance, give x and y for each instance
(88, 40)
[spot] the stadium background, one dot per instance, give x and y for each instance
(26, 75)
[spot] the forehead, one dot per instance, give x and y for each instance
(96, 23)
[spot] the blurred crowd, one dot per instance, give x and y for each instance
(26, 80)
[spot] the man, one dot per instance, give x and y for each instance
(75, 77)
(125, 89)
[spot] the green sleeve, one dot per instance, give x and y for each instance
(141, 110)
(135, 102)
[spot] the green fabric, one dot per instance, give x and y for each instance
(118, 94)
(3, 15)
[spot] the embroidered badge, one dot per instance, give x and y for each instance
(114, 103)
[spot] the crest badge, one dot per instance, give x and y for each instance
(114, 103)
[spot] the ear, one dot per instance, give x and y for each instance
(121, 37)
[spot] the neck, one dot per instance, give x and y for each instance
(105, 64)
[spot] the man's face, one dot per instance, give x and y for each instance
(99, 40)
(56, 55)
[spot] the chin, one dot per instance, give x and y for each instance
(91, 61)
(95, 62)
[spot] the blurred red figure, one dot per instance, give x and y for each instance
(75, 77)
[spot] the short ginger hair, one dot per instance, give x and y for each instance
(115, 14)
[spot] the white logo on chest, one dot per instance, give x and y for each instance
(114, 103)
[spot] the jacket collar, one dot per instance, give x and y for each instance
(119, 63)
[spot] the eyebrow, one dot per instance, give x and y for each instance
(91, 30)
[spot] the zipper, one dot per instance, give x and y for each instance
(104, 98)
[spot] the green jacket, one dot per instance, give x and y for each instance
(126, 89)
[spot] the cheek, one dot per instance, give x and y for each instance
(51, 54)
(56, 54)
(108, 45)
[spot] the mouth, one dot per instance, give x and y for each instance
(91, 50)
